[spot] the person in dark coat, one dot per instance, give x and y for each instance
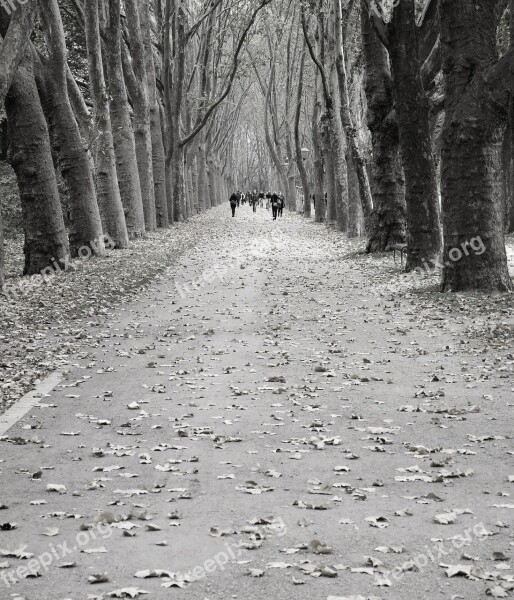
(234, 201)
(281, 204)
(275, 202)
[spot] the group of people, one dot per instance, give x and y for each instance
(254, 198)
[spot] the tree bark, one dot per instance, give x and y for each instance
(2, 257)
(202, 175)
(158, 154)
(298, 145)
(17, 33)
(423, 213)
(140, 100)
(14, 35)
(355, 216)
(388, 225)
(123, 134)
(72, 156)
(46, 243)
(329, 180)
(471, 153)
(333, 113)
(347, 120)
(319, 166)
(108, 192)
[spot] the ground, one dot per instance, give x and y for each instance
(274, 415)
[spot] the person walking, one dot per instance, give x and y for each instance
(281, 204)
(234, 201)
(274, 205)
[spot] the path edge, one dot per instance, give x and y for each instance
(11, 416)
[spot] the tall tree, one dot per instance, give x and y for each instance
(158, 156)
(388, 225)
(108, 192)
(14, 36)
(346, 116)
(401, 37)
(478, 89)
(123, 133)
(137, 81)
(298, 144)
(46, 241)
(85, 224)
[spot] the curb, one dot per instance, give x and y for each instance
(27, 403)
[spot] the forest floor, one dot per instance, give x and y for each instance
(306, 424)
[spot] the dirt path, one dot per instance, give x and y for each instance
(290, 429)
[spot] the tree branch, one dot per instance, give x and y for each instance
(235, 64)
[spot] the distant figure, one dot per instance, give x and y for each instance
(281, 204)
(275, 202)
(234, 201)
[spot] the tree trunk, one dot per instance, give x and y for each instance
(319, 168)
(72, 156)
(306, 205)
(138, 86)
(108, 192)
(123, 134)
(340, 171)
(329, 179)
(46, 242)
(346, 117)
(17, 33)
(158, 154)
(388, 226)
(2, 258)
(85, 225)
(202, 176)
(211, 180)
(474, 244)
(423, 214)
(355, 214)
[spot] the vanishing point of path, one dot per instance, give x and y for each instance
(288, 430)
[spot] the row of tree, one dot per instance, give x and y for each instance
(399, 112)
(122, 101)
(406, 107)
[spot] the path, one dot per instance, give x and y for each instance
(289, 383)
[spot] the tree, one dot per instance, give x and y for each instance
(72, 156)
(158, 154)
(137, 82)
(331, 131)
(123, 133)
(298, 144)
(388, 225)
(14, 36)
(108, 192)
(477, 95)
(401, 38)
(46, 242)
